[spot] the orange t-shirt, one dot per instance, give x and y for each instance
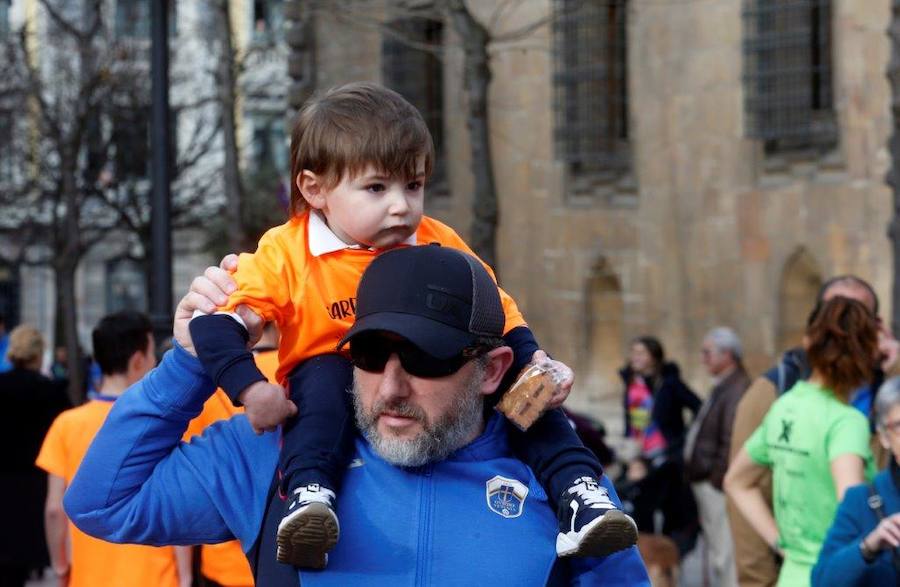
(95, 562)
(313, 298)
(226, 563)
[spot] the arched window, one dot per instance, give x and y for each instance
(605, 342)
(801, 280)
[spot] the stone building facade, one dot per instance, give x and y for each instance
(712, 218)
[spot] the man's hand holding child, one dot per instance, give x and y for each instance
(266, 405)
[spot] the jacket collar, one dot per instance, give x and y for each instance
(322, 239)
(736, 374)
(884, 485)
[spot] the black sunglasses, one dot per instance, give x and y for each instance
(370, 352)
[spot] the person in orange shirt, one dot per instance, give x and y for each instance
(225, 564)
(123, 347)
(360, 157)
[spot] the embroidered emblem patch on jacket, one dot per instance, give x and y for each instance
(506, 497)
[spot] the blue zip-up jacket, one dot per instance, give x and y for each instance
(476, 518)
(840, 561)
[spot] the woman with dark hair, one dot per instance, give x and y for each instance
(815, 443)
(655, 399)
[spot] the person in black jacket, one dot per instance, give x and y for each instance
(30, 402)
(654, 400)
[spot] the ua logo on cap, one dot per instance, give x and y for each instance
(506, 497)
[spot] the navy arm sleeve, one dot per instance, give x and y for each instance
(221, 344)
(521, 340)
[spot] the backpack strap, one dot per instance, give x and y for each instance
(876, 504)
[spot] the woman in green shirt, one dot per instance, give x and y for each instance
(814, 442)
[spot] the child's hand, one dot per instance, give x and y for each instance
(563, 374)
(266, 406)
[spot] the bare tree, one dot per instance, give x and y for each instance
(70, 192)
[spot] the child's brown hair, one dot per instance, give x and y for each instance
(842, 344)
(355, 125)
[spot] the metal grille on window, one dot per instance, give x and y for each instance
(417, 74)
(788, 74)
(590, 83)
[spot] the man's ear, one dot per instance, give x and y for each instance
(311, 188)
(499, 361)
(884, 441)
(136, 363)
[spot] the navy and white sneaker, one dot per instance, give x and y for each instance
(309, 528)
(590, 524)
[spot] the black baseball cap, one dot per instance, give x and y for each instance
(440, 299)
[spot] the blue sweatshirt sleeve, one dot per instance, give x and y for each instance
(840, 562)
(221, 344)
(139, 483)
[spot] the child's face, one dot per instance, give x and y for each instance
(372, 210)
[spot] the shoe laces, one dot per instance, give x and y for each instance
(592, 495)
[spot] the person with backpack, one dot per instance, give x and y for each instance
(757, 566)
(863, 544)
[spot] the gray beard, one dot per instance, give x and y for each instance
(437, 440)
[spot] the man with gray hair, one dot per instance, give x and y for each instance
(707, 447)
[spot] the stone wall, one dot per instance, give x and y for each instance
(702, 230)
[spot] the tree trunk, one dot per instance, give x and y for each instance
(228, 99)
(66, 308)
(893, 176)
(477, 78)
(64, 266)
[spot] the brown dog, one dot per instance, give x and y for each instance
(661, 558)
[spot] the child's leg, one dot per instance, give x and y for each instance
(555, 453)
(590, 523)
(317, 446)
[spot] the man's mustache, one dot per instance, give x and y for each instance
(403, 409)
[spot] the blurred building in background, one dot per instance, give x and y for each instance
(661, 166)
(112, 274)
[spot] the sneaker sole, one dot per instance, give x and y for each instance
(305, 539)
(613, 532)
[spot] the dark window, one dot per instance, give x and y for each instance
(126, 288)
(787, 74)
(591, 86)
(268, 20)
(270, 150)
(133, 18)
(417, 74)
(131, 140)
(9, 294)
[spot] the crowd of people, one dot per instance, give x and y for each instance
(358, 443)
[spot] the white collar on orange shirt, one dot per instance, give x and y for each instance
(322, 239)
